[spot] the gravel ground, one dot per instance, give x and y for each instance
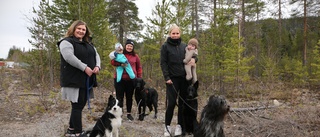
(39, 112)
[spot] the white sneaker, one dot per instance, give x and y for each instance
(167, 131)
(178, 131)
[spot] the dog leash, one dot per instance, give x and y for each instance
(88, 92)
(183, 99)
(140, 100)
(178, 106)
(139, 105)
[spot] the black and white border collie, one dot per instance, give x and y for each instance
(211, 121)
(110, 121)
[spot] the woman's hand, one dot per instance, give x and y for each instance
(96, 70)
(192, 62)
(169, 82)
(124, 64)
(88, 71)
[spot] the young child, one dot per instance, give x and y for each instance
(191, 51)
(118, 56)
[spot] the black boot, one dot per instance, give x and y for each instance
(141, 116)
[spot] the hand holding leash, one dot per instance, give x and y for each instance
(88, 71)
(169, 82)
(96, 70)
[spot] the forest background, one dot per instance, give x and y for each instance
(246, 52)
(238, 45)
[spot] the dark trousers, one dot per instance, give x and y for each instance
(125, 88)
(76, 111)
(180, 86)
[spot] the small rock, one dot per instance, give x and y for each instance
(276, 102)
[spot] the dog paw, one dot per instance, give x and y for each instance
(141, 117)
(155, 117)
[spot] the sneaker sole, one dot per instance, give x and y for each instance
(69, 135)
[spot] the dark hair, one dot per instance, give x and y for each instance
(126, 52)
(129, 41)
(73, 26)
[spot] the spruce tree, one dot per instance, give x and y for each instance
(155, 36)
(315, 65)
(123, 19)
(51, 24)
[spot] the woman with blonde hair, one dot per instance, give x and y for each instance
(172, 66)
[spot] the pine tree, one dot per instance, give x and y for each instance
(39, 58)
(15, 54)
(123, 19)
(305, 9)
(194, 14)
(182, 18)
(221, 56)
(315, 65)
(51, 24)
(155, 36)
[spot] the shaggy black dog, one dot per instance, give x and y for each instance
(190, 109)
(211, 121)
(145, 97)
(110, 121)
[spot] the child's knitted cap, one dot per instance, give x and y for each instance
(118, 46)
(194, 42)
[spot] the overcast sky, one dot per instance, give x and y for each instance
(13, 23)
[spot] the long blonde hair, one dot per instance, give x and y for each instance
(73, 26)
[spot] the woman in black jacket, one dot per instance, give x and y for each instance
(172, 66)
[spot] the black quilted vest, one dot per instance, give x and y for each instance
(71, 76)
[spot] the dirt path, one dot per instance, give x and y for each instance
(54, 124)
(29, 113)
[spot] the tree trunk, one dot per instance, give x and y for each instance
(196, 18)
(280, 21)
(305, 33)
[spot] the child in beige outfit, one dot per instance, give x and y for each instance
(191, 51)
